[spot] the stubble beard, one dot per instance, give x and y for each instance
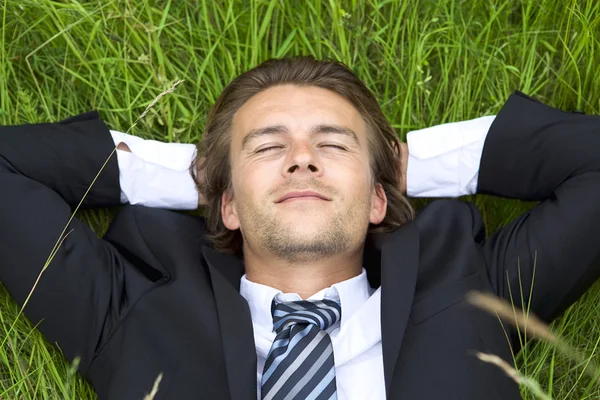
(281, 239)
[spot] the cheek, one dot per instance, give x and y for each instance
(355, 177)
(251, 184)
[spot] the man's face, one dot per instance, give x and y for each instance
(308, 144)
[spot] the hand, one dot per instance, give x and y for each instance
(200, 176)
(403, 166)
(123, 146)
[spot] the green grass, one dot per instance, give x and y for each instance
(428, 61)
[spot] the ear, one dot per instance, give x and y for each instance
(228, 212)
(378, 205)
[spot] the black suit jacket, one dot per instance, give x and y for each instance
(151, 296)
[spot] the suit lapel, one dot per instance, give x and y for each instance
(235, 324)
(399, 264)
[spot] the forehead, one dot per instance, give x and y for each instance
(298, 107)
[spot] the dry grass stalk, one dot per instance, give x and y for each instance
(150, 396)
(153, 102)
(156, 99)
(530, 324)
(63, 236)
(514, 374)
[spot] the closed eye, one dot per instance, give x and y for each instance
(335, 146)
(264, 150)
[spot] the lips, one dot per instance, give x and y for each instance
(297, 194)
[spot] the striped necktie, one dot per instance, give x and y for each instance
(300, 362)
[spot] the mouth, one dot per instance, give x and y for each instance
(302, 196)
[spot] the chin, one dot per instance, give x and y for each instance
(309, 231)
(304, 211)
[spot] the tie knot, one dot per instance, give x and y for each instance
(322, 313)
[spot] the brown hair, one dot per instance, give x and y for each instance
(213, 151)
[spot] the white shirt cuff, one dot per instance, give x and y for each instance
(444, 159)
(156, 174)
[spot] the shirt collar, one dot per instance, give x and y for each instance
(351, 293)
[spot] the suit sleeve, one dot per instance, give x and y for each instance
(45, 170)
(545, 259)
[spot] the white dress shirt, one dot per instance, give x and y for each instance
(443, 162)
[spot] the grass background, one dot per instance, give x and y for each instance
(428, 61)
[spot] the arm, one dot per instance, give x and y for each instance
(45, 170)
(550, 254)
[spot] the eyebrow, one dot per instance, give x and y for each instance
(314, 130)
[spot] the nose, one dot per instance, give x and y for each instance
(303, 160)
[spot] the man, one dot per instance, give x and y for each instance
(310, 276)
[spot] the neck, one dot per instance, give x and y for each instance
(303, 278)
